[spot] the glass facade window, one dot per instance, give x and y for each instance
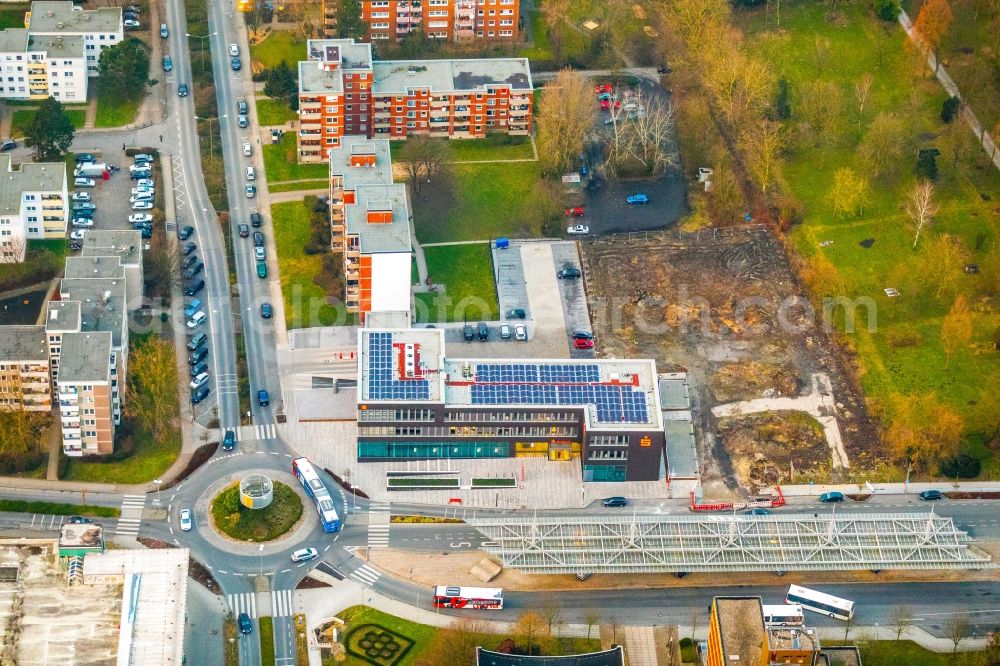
(604, 473)
(429, 450)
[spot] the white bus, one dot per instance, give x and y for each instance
(819, 602)
(783, 615)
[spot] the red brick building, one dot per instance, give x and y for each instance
(491, 20)
(343, 92)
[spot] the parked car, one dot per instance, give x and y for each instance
(639, 198)
(247, 150)
(189, 247)
(8, 144)
(569, 273)
(197, 341)
(266, 311)
(229, 441)
(146, 233)
(305, 554)
(256, 220)
(197, 319)
(145, 182)
(258, 239)
(164, 33)
(242, 108)
(263, 399)
(258, 253)
(197, 356)
(251, 191)
(583, 344)
(199, 381)
(83, 223)
(244, 230)
(505, 332)
(262, 269)
(192, 307)
(468, 333)
(517, 313)
(614, 501)
(234, 50)
(194, 288)
(520, 332)
(574, 211)
(130, 24)
(251, 174)
(198, 368)
(583, 335)
(242, 121)
(246, 626)
(194, 270)
(84, 205)
(79, 520)
(199, 394)
(142, 205)
(141, 196)
(84, 182)
(832, 496)
(235, 64)
(931, 495)
(85, 157)
(603, 88)
(81, 196)
(139, 175)
(140, 217)
(186, 522)
(483, 331)
(578, 229)
(185, 233)
(142, 157)
(182, 90)
(188, 262)
(77, 234)
(139, 226)
(758, 511)
(168, 64)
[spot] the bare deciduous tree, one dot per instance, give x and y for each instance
(151, 390)
(862, 89)
(847, 194)
(423, 158)
(565, 115)
(957, 629)
(591, 617)
(902, 618)
(956, 329)
(822, 108)
(761, 146)
(639, 137)
(528, 628)
(884, 143)
(921, 208)
(552, 612)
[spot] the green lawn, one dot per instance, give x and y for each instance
(13, 17)
(22, 118)
(273, 112)
(470, 288)
(59, 509)
(969, 54)
(299, 186)
(147, 463)
(966, 209)
(305, 301)
(420, 634)
(239, 522)
(496, 147)
(281, 165)
(266, 641)
(483, 202)
(115, 113)
(279, 45)
(908, 653)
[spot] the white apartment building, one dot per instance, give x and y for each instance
(40, 66)
(85, 390)
(99, 28)
(34, 203)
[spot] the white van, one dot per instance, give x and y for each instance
(234, 50)
(251, 175)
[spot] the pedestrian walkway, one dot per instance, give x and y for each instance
(128, 524)
(366, 575)
(640, 646)
(378, 525)
(261, 431)
(245, 602)
(281, 603)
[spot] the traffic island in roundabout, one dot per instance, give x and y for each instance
(255, 509)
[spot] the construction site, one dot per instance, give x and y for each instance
(771, 401)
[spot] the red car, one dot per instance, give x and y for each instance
(606, 105)
(603, 88)
(575, 211)
(583, 343)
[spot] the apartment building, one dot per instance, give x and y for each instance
(370, 226)
(126, 245)
(61, 317)
(34, 67)
(415, 403)
(393, 20)
(342, 91)
(86, 390)
(24, 369)
(99, 28)
(34, 203)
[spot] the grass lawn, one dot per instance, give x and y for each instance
(13, 17)
(265, 524)
(420, 634)
(21, 119)
(59, 509)
(115, 113)
(305, 301)
(148, 462)
(299, 186)
(909, 653)
(470, 288)
(482, 202)
(496, 147)
(273, 112)
(964, 198)
(266, 641)
(280, 162)
(279, 45)
(540, 37)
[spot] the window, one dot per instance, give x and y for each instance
(431, 450)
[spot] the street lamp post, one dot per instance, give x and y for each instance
(202, 56)
(158, 483)
(211, 137)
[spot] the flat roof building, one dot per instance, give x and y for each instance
(415, 403)
(126, 244)
(87, 388)
(24, 369)
(393, 20)
(99, 28)
(33, 205)
(36, 66)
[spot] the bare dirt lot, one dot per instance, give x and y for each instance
(724, 306)
(774, 448)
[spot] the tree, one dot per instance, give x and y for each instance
(848, 192)
(50, 132)
(349, 21)
(923, 431)
(554, 12)
(591, 617)
(781, 108)
(932, 24)
(957, 627)
(423, 157)
(960, 147)
(163, 270)
(822, 109)
(639, 142)
(927, 164)
(902, 618)
(20, 439)
(956, 329)
(527, 629)
(884, 143)
(848, 625)
(950, 108)
(151, 390)
(940, 267)
(820, 53)
(456, 644)
(862, 89)
(566, 113)
(553, 615)
(123, 70)
(543, 207)
(887, 10)
(920, 208)
(280, 82)
(761, 148)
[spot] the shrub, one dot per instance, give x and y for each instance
(782, 108)
(887, 10)
(949, 110)
(960, 466)
(927, 165)
(904, 337)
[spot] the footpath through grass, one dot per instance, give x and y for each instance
(470, 292)
(59, 509)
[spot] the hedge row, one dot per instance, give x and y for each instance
(494, 483)
(446, 483)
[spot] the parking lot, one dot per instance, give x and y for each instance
(111, 196)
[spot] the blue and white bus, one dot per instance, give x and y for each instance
(313, 485)
(820, 602)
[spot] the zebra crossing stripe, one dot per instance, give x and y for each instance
(365, 574)
(245, 602)
(281, 603)
(260, 431)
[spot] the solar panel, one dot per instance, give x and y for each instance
(382, 383)
(614, 404)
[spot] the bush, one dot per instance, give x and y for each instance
(949, 110)
(782, 108)
(960, 466)
(927, 165)
(887, 10)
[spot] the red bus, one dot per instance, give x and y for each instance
(468, 597)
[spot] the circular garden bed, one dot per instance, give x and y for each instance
(237, 521)
(377, 645)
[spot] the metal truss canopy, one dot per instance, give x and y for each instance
(678, 543)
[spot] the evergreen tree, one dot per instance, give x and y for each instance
(50, 133)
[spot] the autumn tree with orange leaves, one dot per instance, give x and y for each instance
(932, 24)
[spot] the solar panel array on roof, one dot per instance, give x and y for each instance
(615, 404)
(537, 372)
(382, 383)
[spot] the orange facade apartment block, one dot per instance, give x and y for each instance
(392, 20)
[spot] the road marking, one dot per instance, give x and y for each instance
(260, 431)
(281, 603)
(378, 524)
(366, 575)
(128, 524)
(245, 602)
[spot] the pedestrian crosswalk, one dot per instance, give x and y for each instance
(227, 383)
(245, 602)
(281, 603)
(366, 575)
(378, 524)
(128, 524)
(260, 431)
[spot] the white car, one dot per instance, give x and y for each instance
(83, 223)
(140, 217)
(197, 319)
(200, 380)
(142, 196)
(186, 522)
(578, 229)
(145, 182)
(84, 182)
(304, 554)
(77, 234)
(130, 24)
(234, 50)
(247, 150)
(81, 196)
(143, 190)
(520, 332)
(142, 205)
(140, 166)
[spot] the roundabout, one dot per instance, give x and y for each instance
(234, 516)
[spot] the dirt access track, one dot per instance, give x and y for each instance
(724, 306)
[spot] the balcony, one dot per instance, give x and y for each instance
(310, 115)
